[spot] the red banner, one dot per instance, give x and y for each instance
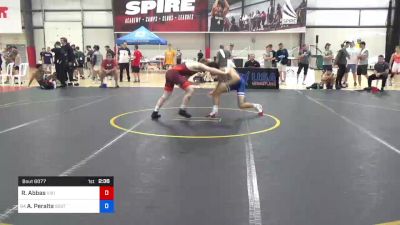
(161, 15)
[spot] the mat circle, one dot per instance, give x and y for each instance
(115, 125)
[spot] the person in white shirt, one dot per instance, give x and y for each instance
(124, 57)
(352, 63)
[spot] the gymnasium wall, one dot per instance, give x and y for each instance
(96, 19)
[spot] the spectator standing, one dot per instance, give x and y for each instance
(268, 56)
(304, 62)
(70, 57)
(362, 68)
(178, 57)
(109, 51)
(136, 64)
(327, 59)
(97, 60)
(89, 54)
(124, 55)
(252, 63)
(352, 63)
(395, 64)
(341, 62)
(222, 57)
(263, 19)
(42, 54)
(169, 57)
(47, 60)
(282, 56)
(80, 61)
(60, 62)
(381, 72)
(1, 61)
(200, 55)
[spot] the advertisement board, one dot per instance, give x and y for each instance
(211, 15)
(260, 78)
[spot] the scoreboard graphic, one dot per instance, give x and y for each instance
(66, 195)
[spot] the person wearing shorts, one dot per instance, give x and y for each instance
(362, 68)
(109, 68)
(234, 82)
(178, 75)
(136, 64)
(97, 60)
(328, 77)
(395, 64)
(282, 58)
(351, 63)
(304, 62)
(47, 59)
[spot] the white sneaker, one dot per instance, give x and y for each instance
(259, 109)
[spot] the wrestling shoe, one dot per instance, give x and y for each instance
(212, 115)
(155, 115)
(259, 109)
(185, 114)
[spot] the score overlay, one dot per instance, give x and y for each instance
(65, 194)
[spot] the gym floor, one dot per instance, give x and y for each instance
(317, 157)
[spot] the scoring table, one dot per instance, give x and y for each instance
(65, 194)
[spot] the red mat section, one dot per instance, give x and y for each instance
(11, 89)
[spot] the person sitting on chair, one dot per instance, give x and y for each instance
(381, 72)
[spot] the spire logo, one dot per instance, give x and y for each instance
(3, 12)
(289, 15)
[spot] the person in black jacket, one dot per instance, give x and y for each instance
(70, 57)
(282, 58)
(60, 63)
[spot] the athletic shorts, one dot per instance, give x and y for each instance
(327, 68)
(281, 67)
(352, 68)
(173, 77)
(240, 87)
(396, 68)
(362, 70)
(135, 69)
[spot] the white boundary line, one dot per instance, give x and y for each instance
(355, 103)
(27, 102)
(252, 184)
(10, 211)
(349, 121)
(6, 214)
(49, 116)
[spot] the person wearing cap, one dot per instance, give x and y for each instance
(381, 72)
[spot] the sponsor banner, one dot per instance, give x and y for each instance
(10, 16)
(161, 15)
(260, 78)
(262, 16)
